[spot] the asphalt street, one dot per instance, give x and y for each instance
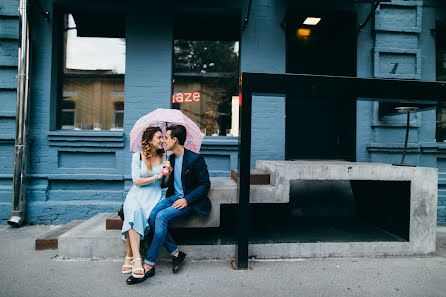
(26, 272)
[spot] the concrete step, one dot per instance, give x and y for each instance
(91, 240)
(114, 222)
(257, 176)
(49, 241)
(223, 191)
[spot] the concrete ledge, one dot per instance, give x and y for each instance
(224, 191)
(419, 191)
(49, 241)
(91, 240)
(423, 191)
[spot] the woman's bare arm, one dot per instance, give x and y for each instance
(147, 180)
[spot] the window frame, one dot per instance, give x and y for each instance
(207, 75)
(57, 67)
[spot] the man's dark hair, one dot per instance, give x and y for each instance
(179, 132)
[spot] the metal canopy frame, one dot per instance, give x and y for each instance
(304, 85)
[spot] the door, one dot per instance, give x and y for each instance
(321, 128)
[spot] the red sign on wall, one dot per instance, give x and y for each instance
(185, 97)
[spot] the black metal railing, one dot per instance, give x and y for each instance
(302, 85)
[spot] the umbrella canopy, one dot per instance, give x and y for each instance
(164, 118)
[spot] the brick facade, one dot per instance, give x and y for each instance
(64, 182)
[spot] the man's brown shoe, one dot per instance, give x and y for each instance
(177, 261)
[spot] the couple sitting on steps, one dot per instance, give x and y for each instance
(187, 179)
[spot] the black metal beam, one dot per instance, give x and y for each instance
(304, 85)
(244, 182)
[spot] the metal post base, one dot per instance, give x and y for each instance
(16, 221)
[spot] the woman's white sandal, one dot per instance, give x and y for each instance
(127, 266)
(137, 269)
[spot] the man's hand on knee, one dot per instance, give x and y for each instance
(180, 203)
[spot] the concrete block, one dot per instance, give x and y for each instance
(423, 190)
(91, 240)
(49, 241)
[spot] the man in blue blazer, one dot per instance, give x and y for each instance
(188, 183)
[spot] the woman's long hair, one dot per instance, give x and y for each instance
(146, 137)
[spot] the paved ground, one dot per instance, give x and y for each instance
(25, 272)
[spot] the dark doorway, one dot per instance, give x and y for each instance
(321, 128)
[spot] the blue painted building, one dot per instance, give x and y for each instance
(78, 157)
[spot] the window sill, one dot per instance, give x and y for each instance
(75, 176)
(434, 147)
(95, 133)
(394, 124)
(229, 140)
(392, 147)
(225, 143)
(83, 138)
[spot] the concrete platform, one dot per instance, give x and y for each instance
(416, 186)
(91, 240)
(224, 191)
(398, 200)
(50, 240)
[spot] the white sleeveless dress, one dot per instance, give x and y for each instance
(140, 200)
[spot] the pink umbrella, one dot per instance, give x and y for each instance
(163, 118)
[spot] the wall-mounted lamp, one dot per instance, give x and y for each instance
(312, 21)
(303, 33)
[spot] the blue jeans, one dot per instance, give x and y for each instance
(159, 220)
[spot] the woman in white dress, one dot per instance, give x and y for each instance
(142, 197)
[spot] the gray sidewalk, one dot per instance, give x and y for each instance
(26, 272)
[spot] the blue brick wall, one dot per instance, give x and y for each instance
(263, 49)
(148, 70)
(64, 183)
(8, 95)
(401, 34)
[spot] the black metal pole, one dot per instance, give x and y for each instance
(362, 26)
(244, 171)
(246, 20)
(372, 13)
(407, 138)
